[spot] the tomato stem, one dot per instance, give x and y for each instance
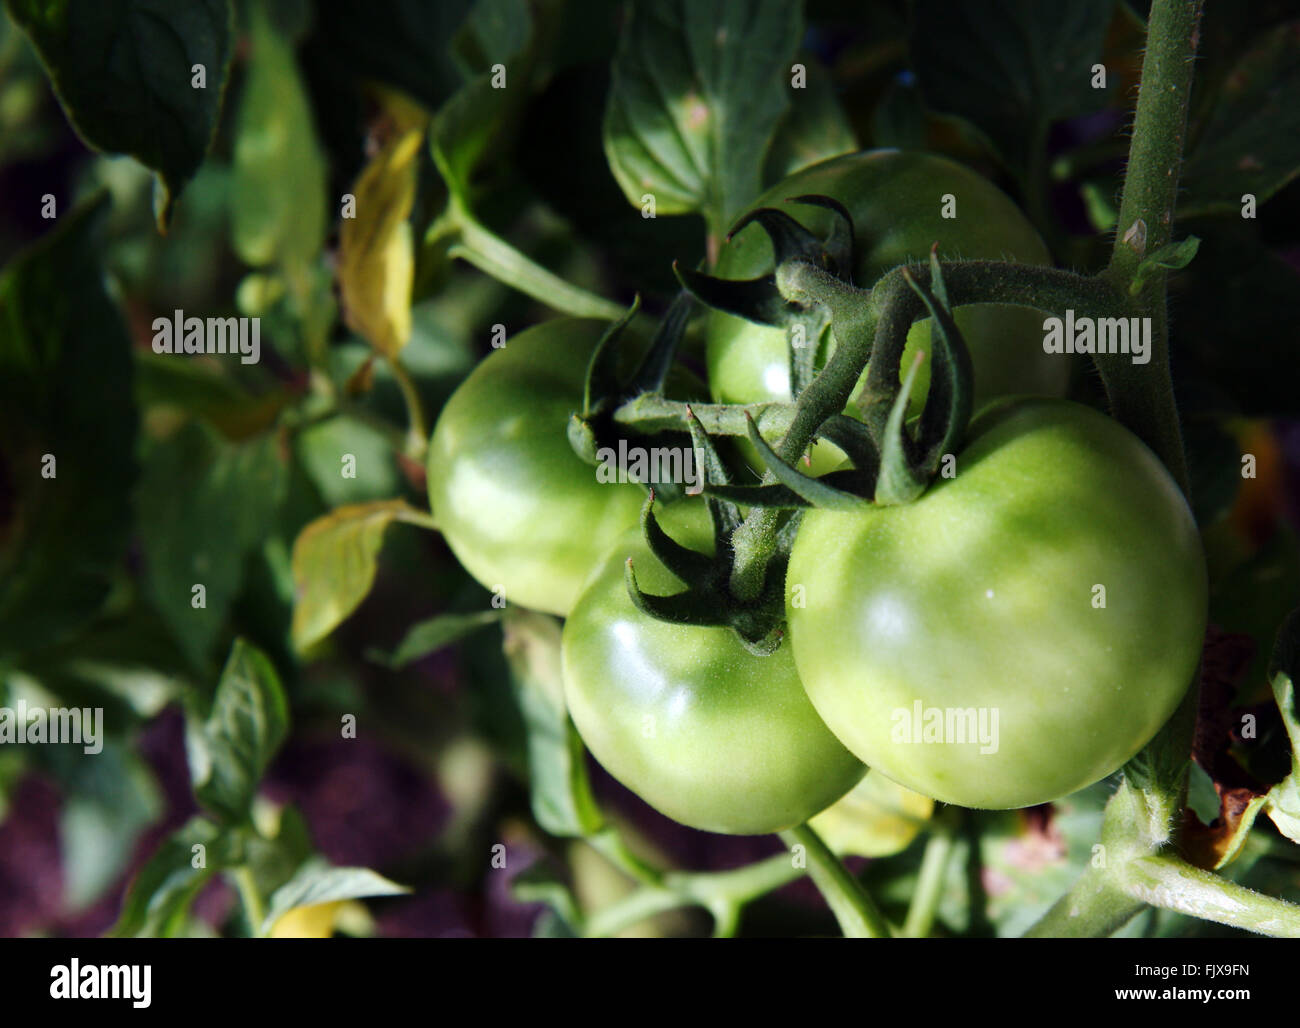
(929, 883)
(854, 909)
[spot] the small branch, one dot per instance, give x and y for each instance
(493, 255)
(417, 435)
(722, 893)
(254, 911)
(1093, 908)
(1170, 882)
(929, 884)
(857, 914)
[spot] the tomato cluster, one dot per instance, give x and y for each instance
(1017, 633)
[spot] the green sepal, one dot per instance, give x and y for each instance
(684, 608)
(952, 377)
(601, 386)
(725, 515)
(815, 490)
(897, 482)
(689, 565)
(582, 437)
(754, 299)
(854, 438)
(653, 370)
(840, 245)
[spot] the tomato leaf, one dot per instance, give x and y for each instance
(813, 129)
(697, 92)
(1011, 67)
(401, 42)
(561, 794)
(334, 563)
(316, 883)
(279, 202)
(432, 635)
(108, 802)
(1170, 257)
(124, 71)
(203, 505)
(159, 897)
(376, 255)
(485, 110)
(64, 490)
(248, 721)
(1250, 143)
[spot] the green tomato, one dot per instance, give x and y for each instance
(520, 510)
(1048, 602)
(895, 199)
(700, 728)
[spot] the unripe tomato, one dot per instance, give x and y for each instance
(700, 728)
(896, 200)
(520, 510)
(1022, 629)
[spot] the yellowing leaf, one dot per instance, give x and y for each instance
(334, 561)
(311, 922)
(875, 819)
(376, 258)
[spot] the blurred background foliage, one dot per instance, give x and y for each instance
(203, 469)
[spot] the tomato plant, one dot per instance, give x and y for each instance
(932, 363)
(1021, 630)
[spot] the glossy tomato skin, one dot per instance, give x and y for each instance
(517, 506)
(704, 731)
(983, 596)
(895, 199)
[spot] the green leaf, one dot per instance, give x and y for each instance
(278, 206)
(401, 42)
(110, 798)
(1251, 140)
(540, 884)
(203, 505)
(315, 883)
(815, 128)
(321, 448)
(63, 349)
(162, 380)
(435, 633)
(1170, 257)
(248, 721)
(334, 563)
(1011, 67)
(561, 794)
(696, 95)
(159, 898)
(123, 71)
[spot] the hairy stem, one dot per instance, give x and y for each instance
(1142, 397)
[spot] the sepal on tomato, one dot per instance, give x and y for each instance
(908, 461)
